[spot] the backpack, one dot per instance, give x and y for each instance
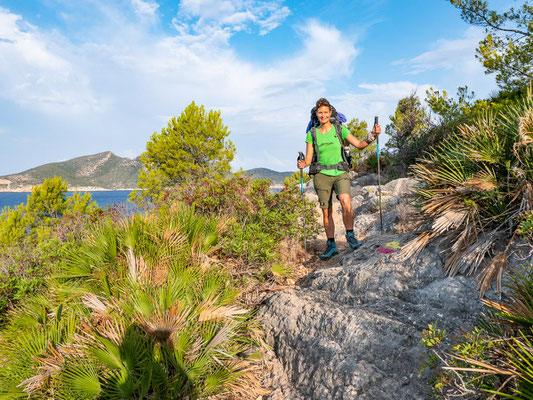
(337, 119)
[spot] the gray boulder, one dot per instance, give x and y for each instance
(353, 331)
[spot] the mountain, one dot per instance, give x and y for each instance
(98, 171)
(265, 173)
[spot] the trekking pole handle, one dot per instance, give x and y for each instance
(301, 156)
(377, 138)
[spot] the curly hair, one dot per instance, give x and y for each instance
(322, 102)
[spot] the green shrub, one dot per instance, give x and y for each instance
(36, 236)
(296, 179)
(259, 219)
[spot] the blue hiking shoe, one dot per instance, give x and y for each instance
(352, 241)
(331, 250)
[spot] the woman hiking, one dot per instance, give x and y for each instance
(331, 171)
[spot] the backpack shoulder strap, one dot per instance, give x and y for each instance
(315, 144)
(338, 130)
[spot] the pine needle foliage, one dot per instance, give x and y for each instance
(477, 188)
(140, 311)
(192, 145)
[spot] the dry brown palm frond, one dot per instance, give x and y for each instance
(425, 171)
(472, 257)
(493, 270)
(450, 219)
(213, 313)
(138, 271)
(415, 246)
(461, 240)
(132, 263)
(515, 308)
(173, 237)
(114, 330)
(51, 363)
(482, 181)
(443, 200)
(525, 129)
(92, 302)
(248, 384)
(487, 368)
(222, 336)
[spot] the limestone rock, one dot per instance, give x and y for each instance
(353, 331)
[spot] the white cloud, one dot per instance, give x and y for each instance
(211, 16)
(139, 78)
(145, 8)
(35, 73)
(377, 100)
(457, 58)
(449, 55)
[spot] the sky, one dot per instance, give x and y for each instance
(84, 77)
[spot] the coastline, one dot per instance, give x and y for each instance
(28, 189)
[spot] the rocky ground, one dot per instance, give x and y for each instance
(352, 328)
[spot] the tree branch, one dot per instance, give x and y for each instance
(489, 23)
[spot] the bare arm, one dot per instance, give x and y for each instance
(309, 151)
(361, 144)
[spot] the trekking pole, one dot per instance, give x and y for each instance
(301, 158)
(379, 180)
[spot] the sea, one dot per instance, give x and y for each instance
(103, 198)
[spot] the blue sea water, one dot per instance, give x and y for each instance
(102, 198)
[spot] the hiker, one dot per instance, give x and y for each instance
(331, 170)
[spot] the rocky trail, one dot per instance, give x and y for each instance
(352, 328)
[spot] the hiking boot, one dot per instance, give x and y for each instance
(352, 241)
(331, 250)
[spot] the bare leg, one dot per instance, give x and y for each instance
(329, 225)
(347, 211)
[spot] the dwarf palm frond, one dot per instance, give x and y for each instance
(477, 188)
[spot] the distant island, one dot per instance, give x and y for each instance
(102, 171)
(277, 178)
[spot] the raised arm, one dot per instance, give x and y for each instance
(361, 144)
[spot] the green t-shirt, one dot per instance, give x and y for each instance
(330, 148)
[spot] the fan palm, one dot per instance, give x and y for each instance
(144, 313)
(477, 187)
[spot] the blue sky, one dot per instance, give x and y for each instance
(89, 76)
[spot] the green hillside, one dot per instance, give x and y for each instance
(103, 170)
(265, 173)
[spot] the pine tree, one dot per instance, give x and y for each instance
(507, 48)
(193, 145)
